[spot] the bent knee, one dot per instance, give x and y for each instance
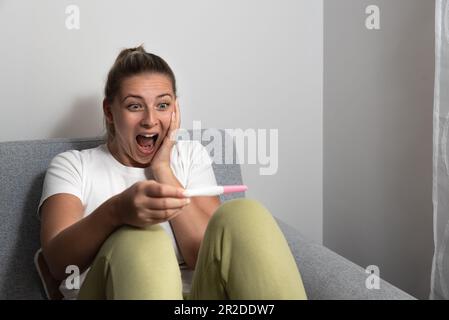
(240, 210)
(128, 239)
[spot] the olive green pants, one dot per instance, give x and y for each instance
(243, 255)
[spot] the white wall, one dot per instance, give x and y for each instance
(239, 64)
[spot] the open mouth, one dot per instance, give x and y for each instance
(147, 142)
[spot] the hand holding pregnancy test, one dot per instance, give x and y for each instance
(214, 190)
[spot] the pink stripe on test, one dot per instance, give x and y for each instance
(237, 188)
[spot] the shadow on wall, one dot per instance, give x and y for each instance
(85, 119)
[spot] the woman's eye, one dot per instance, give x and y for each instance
(133, 106)
(163, 106)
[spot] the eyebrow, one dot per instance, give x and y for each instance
(139, 97)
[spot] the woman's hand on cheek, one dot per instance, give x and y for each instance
(161, 160)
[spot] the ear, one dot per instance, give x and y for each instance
(107, 111)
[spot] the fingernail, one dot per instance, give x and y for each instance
(187, 200)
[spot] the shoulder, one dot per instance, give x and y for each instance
(190, 149)
(74, 158)
(190, 152)
(67, 157)
(189, 146)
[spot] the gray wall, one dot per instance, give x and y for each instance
(239, 64)
(377, 105)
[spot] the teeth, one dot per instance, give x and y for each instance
(148, 135)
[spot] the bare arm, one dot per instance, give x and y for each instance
(69, 239)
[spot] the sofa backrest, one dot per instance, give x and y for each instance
(22, 166)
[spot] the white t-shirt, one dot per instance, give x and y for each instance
(94, 176)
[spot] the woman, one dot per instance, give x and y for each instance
(117, 211)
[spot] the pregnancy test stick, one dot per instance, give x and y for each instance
(214, 191)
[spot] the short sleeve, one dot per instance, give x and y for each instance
(201, 173)
(64, 175)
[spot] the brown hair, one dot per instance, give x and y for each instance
(130, 62)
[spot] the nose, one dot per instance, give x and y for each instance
(149, 118)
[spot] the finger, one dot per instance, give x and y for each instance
(174, 123)
(174, 115)
(155, 189)
(163, 215)
(165, 203)
(174, 215)
(171, 125)
(178, 115)
(174, 126)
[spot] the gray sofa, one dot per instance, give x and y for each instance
(326, 275)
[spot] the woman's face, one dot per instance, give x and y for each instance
(143, 106)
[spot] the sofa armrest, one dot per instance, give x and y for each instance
(327, 275)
